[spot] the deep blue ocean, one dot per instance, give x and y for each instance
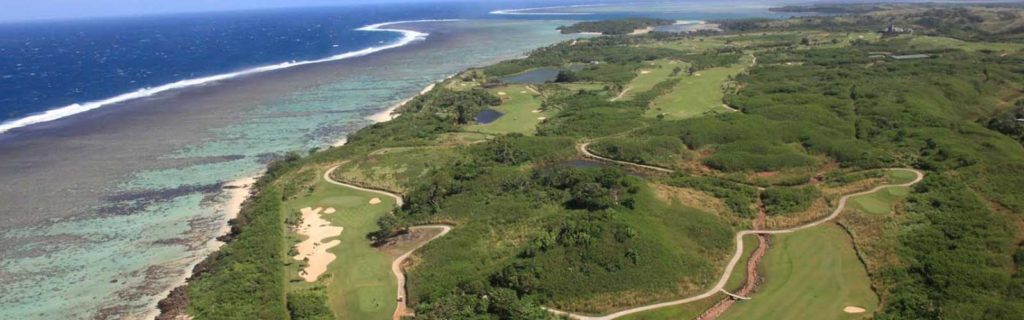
(52, 64)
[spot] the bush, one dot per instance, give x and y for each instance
(309, 304)
(660, 151)
(784, 201)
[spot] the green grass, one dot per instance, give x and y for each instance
(699, 44)
(652, 73)
(811, 274)
(359, 283)
(518, 106)
(880, 202)
(739, 274)
(395, 168)
(588, 86)
(684, 311)
(695, 95)
(900, 176)
(929, 42)
(695, 309)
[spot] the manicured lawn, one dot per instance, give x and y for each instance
(900, 176)
(695, 95)
(651, 74)
(359, 283)
(811, 274)
(880, 202)
(518, 106)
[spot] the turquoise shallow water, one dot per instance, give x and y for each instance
(142, 183)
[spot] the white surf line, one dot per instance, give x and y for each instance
(408, 36)
(739, 253)
(524, 11)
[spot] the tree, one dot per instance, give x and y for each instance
(389, 226)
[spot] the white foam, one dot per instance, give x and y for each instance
(526, 11)
(408, 36)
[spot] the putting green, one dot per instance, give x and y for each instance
(880, 202)
(359, 283)
(900, 176)
(810, 274)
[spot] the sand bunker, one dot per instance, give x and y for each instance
(329, 211)
(536, 111)
(312, 249)
(852, 309)
(541, 118)
(375, 201)
(645, 71)
(502, 94)
(522, 91)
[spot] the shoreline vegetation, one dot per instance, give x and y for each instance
(819, 114)
(238, 192)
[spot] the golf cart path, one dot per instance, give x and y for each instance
(396, 265)
(583, 149)
(739, 243)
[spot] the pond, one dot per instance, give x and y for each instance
(535, 76)
(542, 74)
(487, 116)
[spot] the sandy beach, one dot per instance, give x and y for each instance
(236, 192)
(390, 113)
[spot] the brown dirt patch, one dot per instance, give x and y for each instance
(690, 197)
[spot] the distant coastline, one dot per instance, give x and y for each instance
(408, 36)
(526, 11)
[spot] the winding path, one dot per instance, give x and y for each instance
(402, 310)
(739, 243)
(583, 149)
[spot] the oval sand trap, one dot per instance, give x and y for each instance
(375, 201)
(329, 211)
(852, 309)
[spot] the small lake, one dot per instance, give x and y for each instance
(535, 76)
(487, 116)
(541, 75)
